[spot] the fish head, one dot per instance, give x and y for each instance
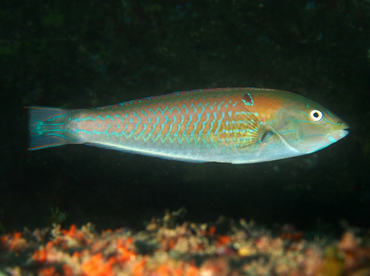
(305, 126)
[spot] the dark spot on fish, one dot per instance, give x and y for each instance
(266, 135)
(248, 100)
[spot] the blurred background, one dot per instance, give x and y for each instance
(82, 54)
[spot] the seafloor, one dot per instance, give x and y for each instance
(168, 247)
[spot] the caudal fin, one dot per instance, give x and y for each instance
(48, 127)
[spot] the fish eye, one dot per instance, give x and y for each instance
(316, 115)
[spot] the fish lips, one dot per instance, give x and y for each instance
(338, 134)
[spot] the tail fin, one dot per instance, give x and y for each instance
(48, 127)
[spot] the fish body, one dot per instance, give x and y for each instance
(229, 125)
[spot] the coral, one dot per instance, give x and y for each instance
(189, 249)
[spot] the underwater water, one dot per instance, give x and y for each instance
(76, 54)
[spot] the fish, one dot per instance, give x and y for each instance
(227, 125)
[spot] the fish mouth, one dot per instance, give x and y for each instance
(344, 126)
(339, 134)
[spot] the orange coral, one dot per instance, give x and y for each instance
(222, 240)
(96, 266)
(124, 253)
(42, 254)
(292, 236)
(138, 268)
(163, 270)
(71, 232)
(67, 270)
(48, 271)
(14, 241)
(192, 271)
(211, 231)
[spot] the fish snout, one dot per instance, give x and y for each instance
(340, 131)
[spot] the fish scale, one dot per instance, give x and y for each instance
(221, 125)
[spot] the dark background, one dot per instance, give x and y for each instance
(81, 54)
